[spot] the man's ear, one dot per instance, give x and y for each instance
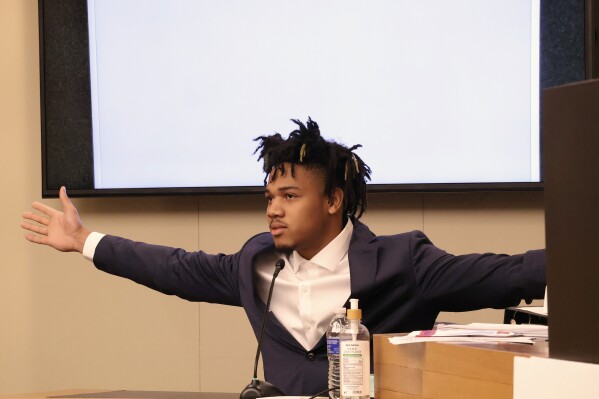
(336, 201)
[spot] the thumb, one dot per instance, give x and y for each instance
(64, 198)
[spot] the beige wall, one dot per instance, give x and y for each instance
(63, 324)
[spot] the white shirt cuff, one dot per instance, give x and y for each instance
(89, 248)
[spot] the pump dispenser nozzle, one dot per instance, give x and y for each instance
(354, 313)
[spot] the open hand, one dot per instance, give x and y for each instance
(60, 230)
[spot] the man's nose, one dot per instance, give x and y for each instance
(274, 209)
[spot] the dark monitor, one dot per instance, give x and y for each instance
(571, 140)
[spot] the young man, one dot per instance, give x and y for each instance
(316, 192)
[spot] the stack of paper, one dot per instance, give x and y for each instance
(476, 332)
(525, 330)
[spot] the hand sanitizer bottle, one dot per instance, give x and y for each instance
(354, 347)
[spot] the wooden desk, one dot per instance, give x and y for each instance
(446, 371)
(115, 394)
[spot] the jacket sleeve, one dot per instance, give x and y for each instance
(468, 282)
(195, 276)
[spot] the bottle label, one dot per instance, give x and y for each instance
(336, 327)
(355, 368)
(333, 346)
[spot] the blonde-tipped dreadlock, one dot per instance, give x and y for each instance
(305, 146)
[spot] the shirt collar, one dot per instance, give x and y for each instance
(330, 256)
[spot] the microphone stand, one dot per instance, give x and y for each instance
(257, 388)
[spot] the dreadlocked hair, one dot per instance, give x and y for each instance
(305, 146)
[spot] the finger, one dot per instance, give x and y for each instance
(44, 208)
(36, 239)
(35, 229)
(36, 218)
(64, 198)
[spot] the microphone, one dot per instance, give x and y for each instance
(257, 388)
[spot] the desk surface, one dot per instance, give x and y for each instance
(122, 394)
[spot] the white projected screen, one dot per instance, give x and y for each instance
(436, 92)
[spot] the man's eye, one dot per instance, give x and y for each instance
(268, 199)
(289, 196)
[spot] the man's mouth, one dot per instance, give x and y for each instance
(277, 228)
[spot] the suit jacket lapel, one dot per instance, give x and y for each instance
(362, 265)
(362, 260)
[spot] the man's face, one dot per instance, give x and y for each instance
(299, 214)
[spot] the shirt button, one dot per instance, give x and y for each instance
(310, 356)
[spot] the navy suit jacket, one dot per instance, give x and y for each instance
(403, 281)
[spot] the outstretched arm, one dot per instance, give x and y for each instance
(476, 281)
(60, 230)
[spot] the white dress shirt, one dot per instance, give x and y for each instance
(306, 292)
